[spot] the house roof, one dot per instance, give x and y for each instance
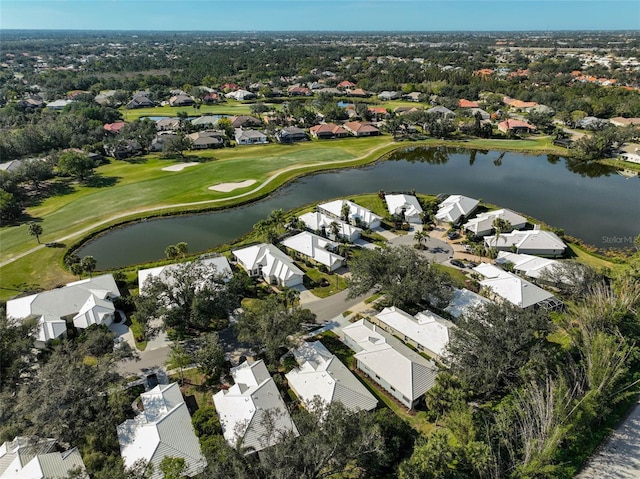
(162, 430)
(52, 307)
(405, 370)
(243, 408)
(511, 287)
(253, 134)
(531, 240)
(455, 207)
(463, 300)
(322, 374)
(410, 204)
(328, 128)
(462, 103)
(114, 127)
(426, 328)
(355, 211)
(220, 262)
(317, 220)
(484, 221)
(273, 261)
(511, 124)
(529, 265)
(35, 458)
(441, 110)
(315, 247)
(359, 127)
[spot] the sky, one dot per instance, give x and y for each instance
(321, 15)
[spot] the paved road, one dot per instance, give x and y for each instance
(619, 456)
(328, 308)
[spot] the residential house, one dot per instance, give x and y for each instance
(58, 104)
(31, 103)
(249, 137)
(291, 134)
(592, 123)
(358, 92)
(123, 149)
(82, 303)
(240, 95)
(463, 103)
(322, 375)
(482, 224)
(162, 429)
(157, 144)
(328, 130)
(441, 111)
(113, 128)
(249, 405)
(464, 301)
(181, 100)
(320, 223)
(220, 263)
(37, 458)
(455, 208)
(405, 206)
(270, 263)
(388, 95)
(168, 124)
(298, 90)
(403, 373)
(630, 157)
(509, 287)
(242, 121)
(345, 84)
(518, 104)
(483, 114)
(413, 96)
(140, 101)
(358, 215)
(426, 331)
(516, 126)
(206, 139)
(378, 113)
(536, 242)
(528, 265)
(330, 91)
(359, 129)
(316, 248)
(211, 97)
(621, 121)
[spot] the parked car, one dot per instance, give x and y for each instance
(453, 235)
(458, 263)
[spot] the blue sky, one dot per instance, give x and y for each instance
(318, 15)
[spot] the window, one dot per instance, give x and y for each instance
(392, 388)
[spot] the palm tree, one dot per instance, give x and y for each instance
(182, 248)
(35, 230)
(277, 219)
(422, 238)
(88, 264)
(334, 228)
(345, 211)
(290, 297)
(501, 226)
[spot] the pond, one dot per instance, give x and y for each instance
(592, 203)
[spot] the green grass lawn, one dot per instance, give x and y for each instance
(587, 258)
(336, 283)
(230, 107)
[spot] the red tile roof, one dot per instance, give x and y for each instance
(462, 103)
(113, 127)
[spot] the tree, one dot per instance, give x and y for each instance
(185, 297)
(179, 358)
(225, 125)
(176, 145)
(267, 230)
(271, 326)
(334, 228)
(16, 351)
(402, 274)
(35, 230)
(500, 225)
(210, 357)
(345, 212)
(76, 165)
(421, 238)
(88, 264)
(572, 278)
(182, 248)
(35, 171)
(172, 467)
(494, 342)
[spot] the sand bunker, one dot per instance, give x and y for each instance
(227, 187)
(179, 166)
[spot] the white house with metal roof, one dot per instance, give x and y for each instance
(320, 222)
(83, 303)
(321, 374)
(514, 289)
(270, 263)
(536, 242)
(482, 224)
(404, 205)
(358, 215)
(464, 301)
(426, 331)
(528, 265)
(403, 373)
(317, 248)
(162, 430)
(250, 408)
(219, 263)
(455, 208)
(37, 458)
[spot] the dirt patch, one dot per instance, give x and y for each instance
(227, 187)
(179, 166)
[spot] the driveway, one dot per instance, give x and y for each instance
(437, 250)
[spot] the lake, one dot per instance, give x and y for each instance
(591, 202)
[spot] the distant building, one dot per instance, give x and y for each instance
(37, 458)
